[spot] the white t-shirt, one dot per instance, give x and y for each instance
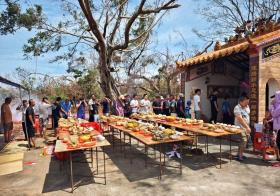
(145, 106)
(245, 114)
(44, 110)
(134, 105)
(196, 100)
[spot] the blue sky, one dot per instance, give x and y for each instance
(182, 19)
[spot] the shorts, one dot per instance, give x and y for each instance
(43, 122)
(30, 131)
(55, 122)
(8, 126)
(243, 137)
(197, 115)
(96, 117)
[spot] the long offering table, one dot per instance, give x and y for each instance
(149, 142)
(73, 138)
(196, 130)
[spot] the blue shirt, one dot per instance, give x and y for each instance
(106, 106)
(66, 106)
(225, 107)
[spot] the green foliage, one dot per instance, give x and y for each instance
(12, 18)
(42, 42)
(89, 84)
(25, 78)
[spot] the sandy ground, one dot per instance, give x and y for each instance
(200, 175)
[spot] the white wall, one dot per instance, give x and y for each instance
(216, 79)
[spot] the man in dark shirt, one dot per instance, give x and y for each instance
(166, 106)
(127, 109)
(93, 109)
(56, 113)
(180, 107)
(172, 106)
(157, 105)
(214, 106)
(30, 122)
(106, 106)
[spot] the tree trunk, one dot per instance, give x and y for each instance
(168, 83)
(107, 82)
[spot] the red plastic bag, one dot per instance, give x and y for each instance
(94, 125)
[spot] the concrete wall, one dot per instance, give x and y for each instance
(215, 79)
(269, 71)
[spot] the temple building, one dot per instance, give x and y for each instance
(250, 65)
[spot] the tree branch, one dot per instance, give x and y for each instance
(140, 11)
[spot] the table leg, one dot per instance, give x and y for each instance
(113, 139)
(96, 160)
(155, 152)
(207, 145)
(220, 152)
(71, 172)
(196, 141)
(91, 156)
(160, 164)
(146, 155)
(120, 140)
(124, 147)
(130, 150)
(104, 166)
(164, 154)
(230, 155)
(181, 161)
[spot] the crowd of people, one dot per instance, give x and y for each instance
(126, 105)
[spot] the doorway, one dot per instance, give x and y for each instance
(271, 87)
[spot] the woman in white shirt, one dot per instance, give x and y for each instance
(145, 105)
(134, 105)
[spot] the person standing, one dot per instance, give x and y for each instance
(119, 104)
(81, 108)
(127, 110)
(56, 113)
(188, 109)
(106, 106)
(173, 103)
(157, 106)
(197, 104)
(134, 104)
(44, 116)
(227, 116)
(23, 108)
(66, 108)
(166, 106)
(180, 108)
(93, 109)
(30, 123)
(6, 119)
(214, 106)
(275, 112)
(242, 119)
(145, 105)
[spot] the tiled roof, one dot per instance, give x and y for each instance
(234, 49)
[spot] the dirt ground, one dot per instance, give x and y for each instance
(201, 175)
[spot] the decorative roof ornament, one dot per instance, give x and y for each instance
(217, 46)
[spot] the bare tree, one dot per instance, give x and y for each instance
(104, 29)
(225, 15)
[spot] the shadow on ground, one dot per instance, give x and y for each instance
(58, 177)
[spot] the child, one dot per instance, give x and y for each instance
(188, 109)
(268, 135)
